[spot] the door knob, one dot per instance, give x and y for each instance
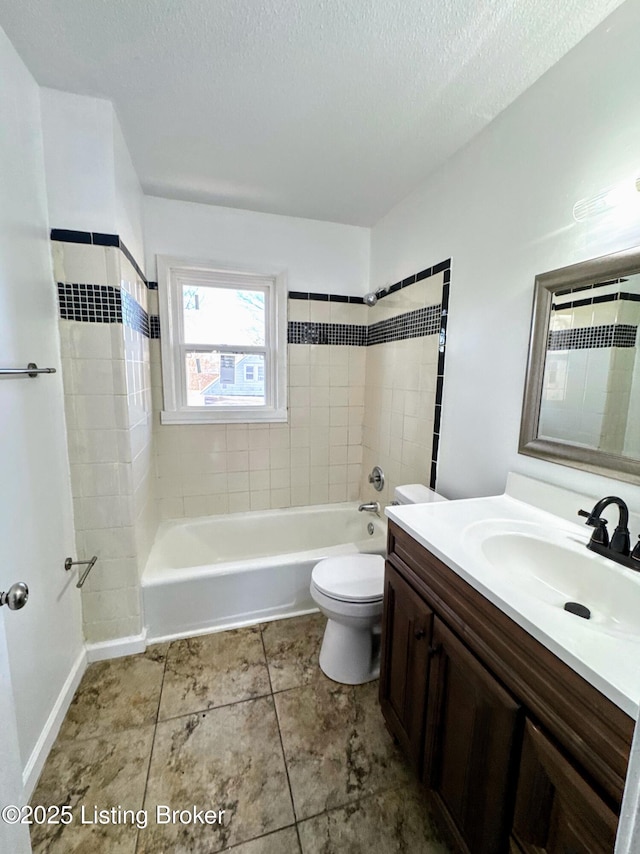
(16, 596)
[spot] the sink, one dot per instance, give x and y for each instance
(526, 552)
(558, 569)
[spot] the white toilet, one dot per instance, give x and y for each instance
(349, 590)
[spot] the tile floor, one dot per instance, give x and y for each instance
(242, 721)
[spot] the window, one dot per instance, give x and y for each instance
(223, 344)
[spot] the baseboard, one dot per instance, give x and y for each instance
(117, 648)
(51, 728)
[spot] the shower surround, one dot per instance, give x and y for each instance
(364, 388)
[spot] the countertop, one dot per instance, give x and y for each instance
(451, 531)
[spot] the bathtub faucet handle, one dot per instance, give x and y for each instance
(377, 478)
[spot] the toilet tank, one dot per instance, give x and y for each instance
(416, 493)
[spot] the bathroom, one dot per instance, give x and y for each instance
(467, 218)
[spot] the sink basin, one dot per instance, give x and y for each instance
(560, 569)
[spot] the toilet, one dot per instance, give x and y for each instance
(349, 590)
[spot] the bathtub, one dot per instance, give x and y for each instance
(222, 572)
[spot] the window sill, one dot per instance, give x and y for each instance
(198, 416)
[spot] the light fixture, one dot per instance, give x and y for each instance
(622, 197)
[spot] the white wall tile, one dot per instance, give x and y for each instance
(84, 264)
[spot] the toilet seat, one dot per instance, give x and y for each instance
(350, 578)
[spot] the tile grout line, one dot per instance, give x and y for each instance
(215, 708)
(396, 787)
(255, 838)
(271, 693)
(153, 741)
(284, 756)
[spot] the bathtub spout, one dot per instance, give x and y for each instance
(371, 506)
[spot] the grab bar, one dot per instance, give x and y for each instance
(90, 564)
(32, 370)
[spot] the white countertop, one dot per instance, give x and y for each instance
(451, 530)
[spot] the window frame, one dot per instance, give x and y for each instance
(171, 275)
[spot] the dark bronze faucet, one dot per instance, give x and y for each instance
(618, 548)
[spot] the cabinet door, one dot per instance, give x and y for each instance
(406, 634)
(473, 734)
(557, 811)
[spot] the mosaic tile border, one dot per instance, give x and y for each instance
(412, 324)
(304, 332)
(105, 304)
(593, 337)
(134, 315)
(90, 303)
(154, 326)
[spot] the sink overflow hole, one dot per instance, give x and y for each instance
(578, 609)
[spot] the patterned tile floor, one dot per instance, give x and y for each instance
(242, 721)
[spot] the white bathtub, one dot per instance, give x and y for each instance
(221, 572)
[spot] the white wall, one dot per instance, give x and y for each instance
(502, 210)
(36, 523)
(128, 196)
(321, 257)
(78, 159)
(91, 182)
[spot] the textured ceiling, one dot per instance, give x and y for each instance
(330, 109)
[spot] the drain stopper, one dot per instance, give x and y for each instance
(578, 609)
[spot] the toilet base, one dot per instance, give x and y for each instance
(350, 655)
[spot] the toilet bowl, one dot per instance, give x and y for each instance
(349, 592)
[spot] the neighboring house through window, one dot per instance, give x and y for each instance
(223, 343)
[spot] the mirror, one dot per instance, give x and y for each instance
(582, 392)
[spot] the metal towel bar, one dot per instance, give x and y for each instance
(32, 370)
(89, 564)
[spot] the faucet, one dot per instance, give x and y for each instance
(371, 506)
(619, 547)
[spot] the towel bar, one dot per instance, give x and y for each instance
(89, 564)
(32, 370)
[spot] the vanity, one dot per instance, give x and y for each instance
(516, 714)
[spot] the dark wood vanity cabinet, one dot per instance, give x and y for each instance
(517, 751)
(472, 733)
(556, 810)
(408, 623)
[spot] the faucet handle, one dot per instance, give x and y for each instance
(600, 536)
(592, 520)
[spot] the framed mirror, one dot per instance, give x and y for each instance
(582, 392)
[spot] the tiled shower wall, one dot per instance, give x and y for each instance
(402, 390)
(314, 459)
(108, 408)
(351, 406)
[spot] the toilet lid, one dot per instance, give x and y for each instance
(351, 578)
